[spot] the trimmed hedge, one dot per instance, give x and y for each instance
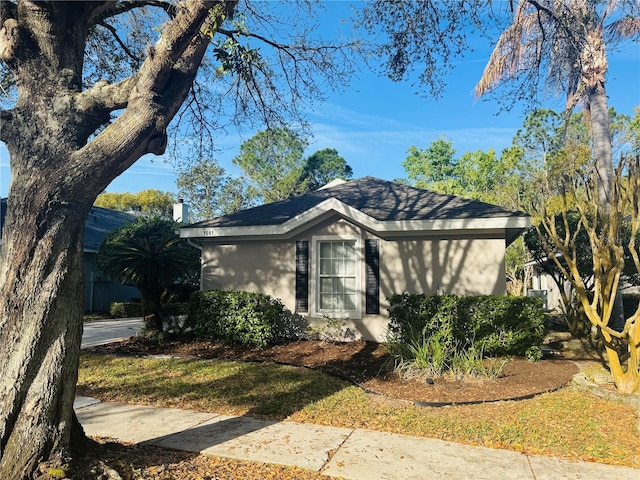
(238, 318)
(495, 325)
(125, 309)
(134, 309)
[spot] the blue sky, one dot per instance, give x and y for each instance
(374, 121)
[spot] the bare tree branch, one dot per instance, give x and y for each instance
(161, 86)
(127, 6)
(114, 33)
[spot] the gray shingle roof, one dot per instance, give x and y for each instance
(380, 199)
(100, 222)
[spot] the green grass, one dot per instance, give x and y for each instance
(257, 389)
(566, 423)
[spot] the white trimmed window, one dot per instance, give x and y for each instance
(337, 276)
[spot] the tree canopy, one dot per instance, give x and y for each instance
(210, 191)
(92, 87)
(274, 167)
(150, 202)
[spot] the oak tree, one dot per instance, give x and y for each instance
(95, 85)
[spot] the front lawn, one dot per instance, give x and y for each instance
(567, 423)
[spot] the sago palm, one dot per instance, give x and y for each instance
(150, 255)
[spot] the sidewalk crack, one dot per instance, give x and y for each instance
(331, 453)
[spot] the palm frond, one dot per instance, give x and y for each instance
(626, 28)
(518, 49)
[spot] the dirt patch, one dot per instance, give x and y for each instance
(364, 364)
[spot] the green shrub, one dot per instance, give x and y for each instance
(238, 318)
(134, 309)
(502, 325)
(125, 309)
(493, 325)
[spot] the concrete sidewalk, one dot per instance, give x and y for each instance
(338, 452)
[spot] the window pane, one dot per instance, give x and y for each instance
(337, 275)
(326, 302)
(325, 250)
(325, 267)
(350, 302)
(349, 285)
(337, 267)
(350, 249)
(350, 266)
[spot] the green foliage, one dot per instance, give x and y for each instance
(322, 167)
(135, 309)
(150, 202)
(501, 325)
(274, 167)
(239, 318)
(210, 191)
(146, 252)
(272, 161)
(433, 168)
(534, 353)
(493, 325)
(149, 254)
(126, 309)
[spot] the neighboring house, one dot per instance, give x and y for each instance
(544, 286)
(99, 289)
(340, 251)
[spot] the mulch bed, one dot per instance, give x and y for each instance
(364, 364)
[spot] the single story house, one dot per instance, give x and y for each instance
(340, 251)
(99, 289)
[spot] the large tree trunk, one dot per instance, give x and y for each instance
(40, 326)
(56, 174)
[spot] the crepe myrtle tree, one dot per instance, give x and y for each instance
(92, 87)
(559, 46)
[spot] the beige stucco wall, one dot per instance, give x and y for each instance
(457, 264)
(253, 266)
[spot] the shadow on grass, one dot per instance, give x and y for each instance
(264, 390)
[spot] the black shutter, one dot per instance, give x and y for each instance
(302, 276)
(372, 261)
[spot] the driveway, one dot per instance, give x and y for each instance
(100, 332)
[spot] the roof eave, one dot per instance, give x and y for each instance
(291, 227)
